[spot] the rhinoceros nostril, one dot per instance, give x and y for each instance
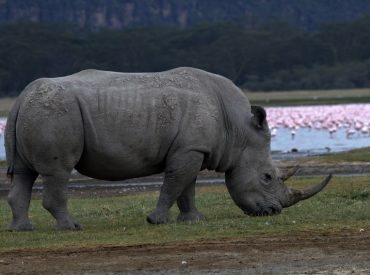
(268, 177)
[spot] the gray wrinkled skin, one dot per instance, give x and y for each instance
(116, 126)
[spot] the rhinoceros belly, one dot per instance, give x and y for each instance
(127, 134)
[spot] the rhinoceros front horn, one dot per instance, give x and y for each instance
(295, 196)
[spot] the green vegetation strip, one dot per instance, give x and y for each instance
(313, 97)
(6, 104)
(344, 205)
(355, 155)
(302, 102)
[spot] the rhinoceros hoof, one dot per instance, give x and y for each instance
(20, 227)
(68, 226)
(158, 217)
(190, 216)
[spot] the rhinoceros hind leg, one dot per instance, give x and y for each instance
(55, 201)
(186, 204)
(181, 171)
(19, 200)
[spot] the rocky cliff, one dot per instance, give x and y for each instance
(96, 14)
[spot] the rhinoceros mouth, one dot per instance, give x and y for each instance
(265, 211)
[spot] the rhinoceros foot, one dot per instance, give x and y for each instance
(158, 217)
(24, 226)
(68, 225)
(190, 217)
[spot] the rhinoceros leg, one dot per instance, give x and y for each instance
(55, 200)
(186, 204)
(19, 200)
(181, 171)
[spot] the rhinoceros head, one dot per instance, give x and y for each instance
(255, 184)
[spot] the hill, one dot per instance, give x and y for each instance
(118, 14)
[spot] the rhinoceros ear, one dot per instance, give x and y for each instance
(259, 116)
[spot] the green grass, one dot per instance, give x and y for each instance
(344, 205)
(6, 104)
(315, 97)
(300, 102)
(355, 155)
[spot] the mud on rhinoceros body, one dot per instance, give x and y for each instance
(115, 126)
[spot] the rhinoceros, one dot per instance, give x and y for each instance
(116, 126)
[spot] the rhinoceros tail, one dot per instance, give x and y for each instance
(10, 138)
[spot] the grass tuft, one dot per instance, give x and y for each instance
(360, 195)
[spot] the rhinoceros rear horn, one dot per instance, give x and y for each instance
(286, 174)
(295, 196)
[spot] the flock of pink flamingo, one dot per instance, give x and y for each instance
(354, 118)
(2, 125)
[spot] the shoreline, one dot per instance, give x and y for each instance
(83, 185)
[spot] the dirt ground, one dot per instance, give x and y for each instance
(334, 253)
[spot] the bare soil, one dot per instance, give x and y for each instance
(310, 253)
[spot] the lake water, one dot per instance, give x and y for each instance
(317, 141)
(319, 129)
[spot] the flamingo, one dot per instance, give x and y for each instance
(273, 132)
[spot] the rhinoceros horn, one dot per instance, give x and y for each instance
(286, 174)
(295, 196)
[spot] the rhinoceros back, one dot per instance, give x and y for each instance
(132, 122)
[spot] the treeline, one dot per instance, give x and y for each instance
(271, 57)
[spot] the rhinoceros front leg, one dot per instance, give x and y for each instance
(19, 200)
(181, 171)
(186, 204)
(55, 201)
